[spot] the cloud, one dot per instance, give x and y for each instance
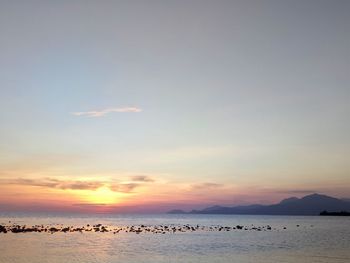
(141, 178)
(124, 187)
(77, 185)
(74, 184)
(58, 184)
(90, 205)
(297, 191)
(205, 186)
(101, 113)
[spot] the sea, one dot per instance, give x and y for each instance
(292, 239)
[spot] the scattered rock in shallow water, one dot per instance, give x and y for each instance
(66, 229)
(138, 229)
(53, 229)
(3, 229)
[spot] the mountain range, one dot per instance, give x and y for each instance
(308, 205)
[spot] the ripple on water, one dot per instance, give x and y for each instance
(326, 241)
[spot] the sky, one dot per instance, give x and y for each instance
(146, 106)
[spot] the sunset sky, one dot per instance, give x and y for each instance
(146, 106)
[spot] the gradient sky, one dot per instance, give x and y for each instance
(151, 105)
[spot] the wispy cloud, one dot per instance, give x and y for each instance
(55, 183)
(90, 205)
(141, 178)
(206, 186)
(121, 187)
(301, 191)
(103, 112)
(124, 187)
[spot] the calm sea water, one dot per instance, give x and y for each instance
(317, 239)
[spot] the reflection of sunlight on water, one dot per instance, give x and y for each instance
(327, 241)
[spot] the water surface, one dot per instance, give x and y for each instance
(293, 239)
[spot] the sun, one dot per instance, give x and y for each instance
(102, 195)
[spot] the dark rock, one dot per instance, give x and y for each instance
(3, 229)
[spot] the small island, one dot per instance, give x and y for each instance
(341, 213)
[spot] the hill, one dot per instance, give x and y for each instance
(308, 205)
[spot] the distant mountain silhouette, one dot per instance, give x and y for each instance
(308, 205)
(177, 211)
(289, 200)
